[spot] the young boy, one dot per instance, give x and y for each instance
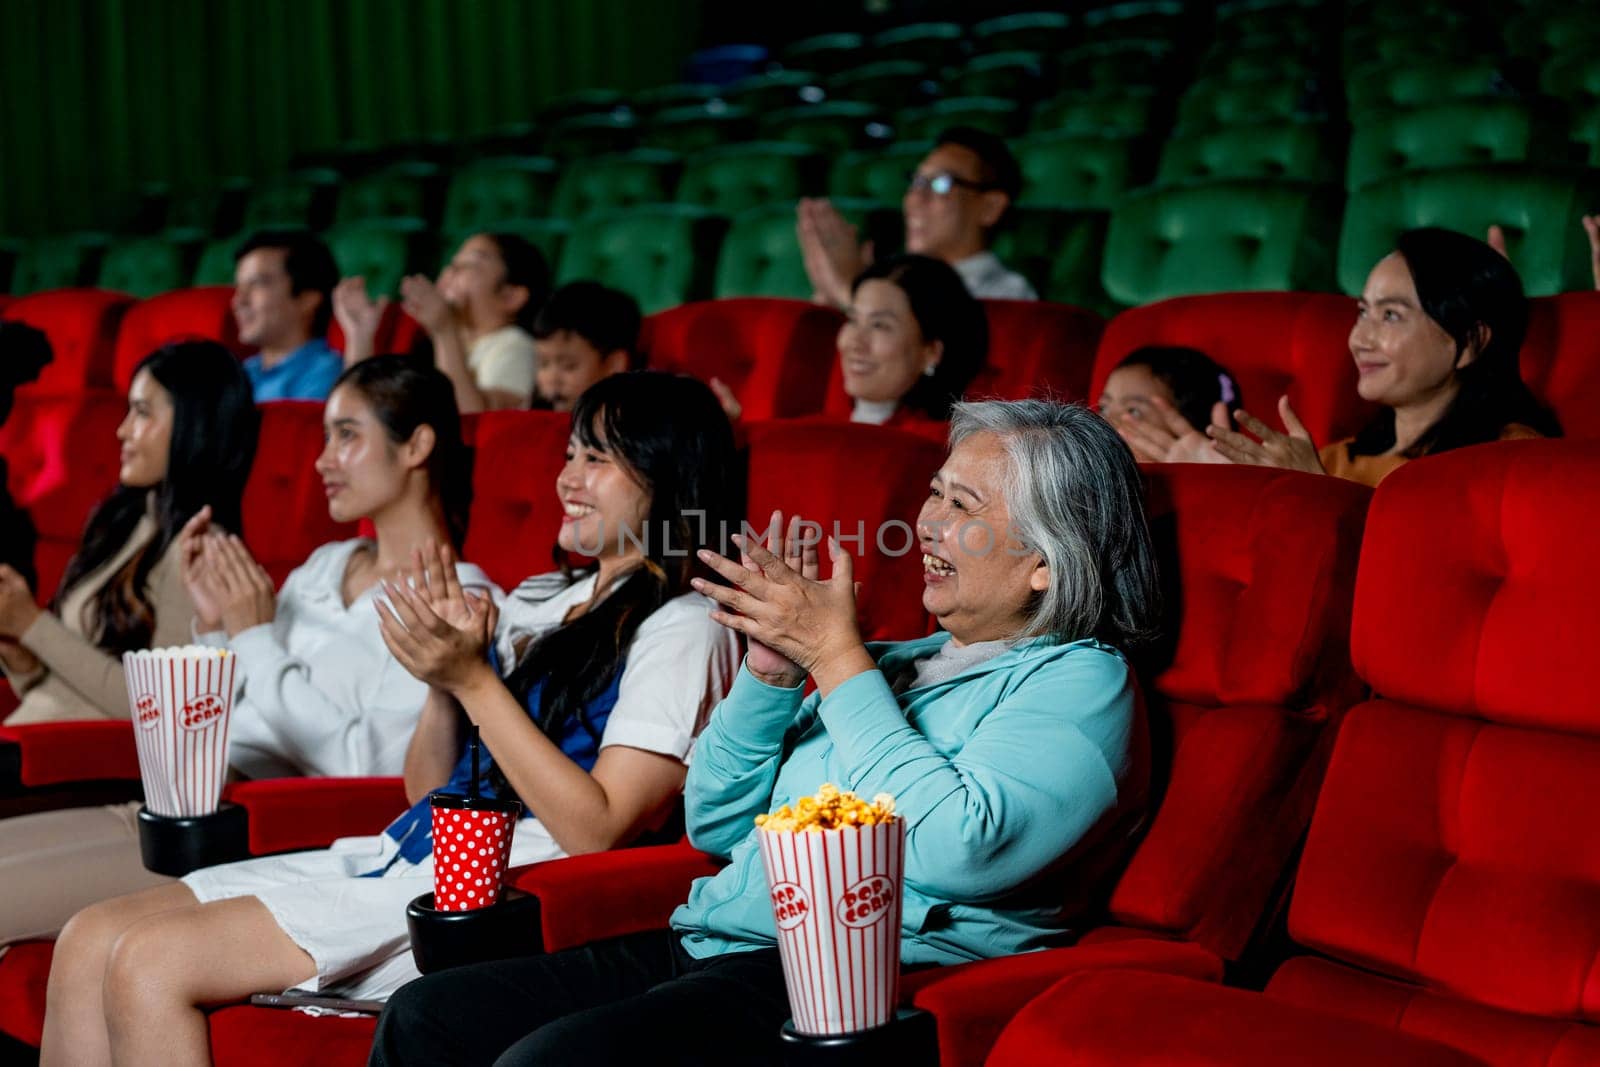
(584, 333)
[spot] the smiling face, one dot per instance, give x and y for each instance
(363, 471)
(1128, 391)
(145, 433)
(978, 580)
(569, 364)
(1404, 358)
(268, 312)
(473, 283)
(952, 225)
(600, 498)
(881, 348)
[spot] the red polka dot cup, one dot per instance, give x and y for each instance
(471, 846)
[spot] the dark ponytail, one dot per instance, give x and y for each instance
(406, 392)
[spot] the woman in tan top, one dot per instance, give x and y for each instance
(1437, 334)
(187, 443)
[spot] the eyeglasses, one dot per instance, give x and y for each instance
(943, 183)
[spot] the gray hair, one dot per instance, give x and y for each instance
(1075, 497)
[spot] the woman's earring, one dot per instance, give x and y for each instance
(929, 370)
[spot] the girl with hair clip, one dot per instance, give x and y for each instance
(319, 693)
(1436, 342)
(479, 318)
(612, 670)
(1161, 398)
(188, 441)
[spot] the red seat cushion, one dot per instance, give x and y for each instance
(516, 516)
(775, 355)
(1561, 359)
(82, 326)
(285, 509)
(181, 315)
(247, 1036)
(1272, 343)
(24, 970)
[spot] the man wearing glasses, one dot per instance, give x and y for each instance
(957, 197)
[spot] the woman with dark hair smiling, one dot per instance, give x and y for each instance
(188, 441)
(608, 675)
(913, 342)
(1436, 341)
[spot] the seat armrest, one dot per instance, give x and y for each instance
(64, 753)
(295, 813)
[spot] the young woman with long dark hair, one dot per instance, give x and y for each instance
(612, 670)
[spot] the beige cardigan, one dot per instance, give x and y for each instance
(77, 680)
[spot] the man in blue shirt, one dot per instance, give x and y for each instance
(283, 302)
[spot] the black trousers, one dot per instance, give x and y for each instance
(628, 1000)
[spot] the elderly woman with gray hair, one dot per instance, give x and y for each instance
(1012, 743)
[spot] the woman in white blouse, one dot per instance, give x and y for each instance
(320, 693)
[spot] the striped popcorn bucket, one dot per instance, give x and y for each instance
(180, 699)
(836, 897)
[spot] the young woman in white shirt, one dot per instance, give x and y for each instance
(320, 694)
(615, 669)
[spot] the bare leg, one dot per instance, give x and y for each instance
(165, 967)
(74, 1021)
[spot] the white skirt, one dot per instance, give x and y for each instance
(353, 928)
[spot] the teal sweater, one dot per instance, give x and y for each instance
(1021, 780)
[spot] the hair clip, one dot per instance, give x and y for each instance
(1225, 387)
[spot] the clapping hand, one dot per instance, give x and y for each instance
(201, 582)
(794, 621)
(423, 302)
(1291, 451)
(437, 631)
(17, 609)
(358, 314)
(832, 250)
(244, 592)
(1167, 437)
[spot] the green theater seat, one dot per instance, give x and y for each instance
(582, 102)
(990, 113)
(395, 192)
(773, 91)
(215, 264)
(1035, 31)
(51, 263)
(831, 127)
(1059, 251)
(1012, 75)
(547, 235)
(292, 201)
(932, 43)
(1538, 207)
(381, 250)
(1119, 64)
(1382, 87)
(736, 177)
(1127, 112)
(761, 254)
(888, 84)
(1573, 77)
(680, 94)
(1138, 20)
(1462, 133)
(880, 174)
(1586, 128)
(1215, 103)
(1221, 236)
(824, 53)
(686, 130)
(661, 255)
(145, 266)
(1425, 39)
(483, 193)
(609, 183)
(1265, 62)
(1065, 170)
(1300, 151)
(591, 134)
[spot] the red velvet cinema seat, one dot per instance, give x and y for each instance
(181, 315)
(776, 355)
(515, 515)
(285, 507)
(82, 327)
(1450, 886)
(1561, 359)
(1272, 343)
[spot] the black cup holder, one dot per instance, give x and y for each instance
(178, 844)
(911, 1037)
(443, 939)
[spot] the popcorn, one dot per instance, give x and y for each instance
(830, 809)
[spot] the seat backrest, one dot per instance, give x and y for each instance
(888, 83)
(1535, 205)
(397, 193)
(995, 114)
(144, 266)
(696, 128)
(382, 251)
(1298, 151)
(285, 509)
(1272, 343)
(49, 263)
(877, 174)
(1455, 133)
(831, 127)
(1561, 359)
(863, 480)
(1455, 839)
(760, 256)
(1382, 85)
(1072, 170)
(515, 515)
(1060, 251)
(1222, 236)
(492, 190)
(1257, 672)
(61, 455)
(776, 355)
(183, 314)
(82, 327)
(1127, 112)
(1216, 103)
(614, 182)
(1037, 348)
(661, 256)
(738, 177)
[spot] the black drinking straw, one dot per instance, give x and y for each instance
(472, 787)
